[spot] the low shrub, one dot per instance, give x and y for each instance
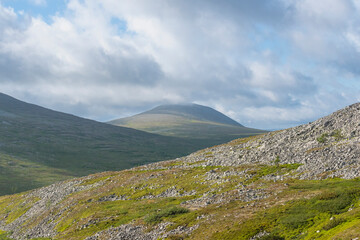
(335, 205)
(323, 138)
(168, 212)
(271, 237)
(337, 135)
(297, 219)
(4, 236)
(327, 195)
(333, 223)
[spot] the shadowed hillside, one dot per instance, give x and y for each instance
(39, 146)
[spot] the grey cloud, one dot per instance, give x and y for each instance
(23, 60)
(134, 69)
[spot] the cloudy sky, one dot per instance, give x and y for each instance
(268, 64)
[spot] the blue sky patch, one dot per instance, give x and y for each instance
(45, 10)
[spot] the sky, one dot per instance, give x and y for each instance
(267, 64)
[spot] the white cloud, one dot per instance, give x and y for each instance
(262, 63)
(354, 39)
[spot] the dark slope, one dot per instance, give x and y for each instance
(62, 145)
(190, 121)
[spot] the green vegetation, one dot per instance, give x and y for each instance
(168, 212)
(305, 218)
(333, 223)
(19, 209)
(264, 170)
(337, 135)
(18, 175)
(4, 236)
(303, 210)
(323, 138)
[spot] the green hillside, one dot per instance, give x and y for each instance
(39, 146)
(190, 121)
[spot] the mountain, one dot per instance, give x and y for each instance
(190, 121)
(298, 183)
(39, 146)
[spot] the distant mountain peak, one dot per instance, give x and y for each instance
(188, 120)
(193, 111)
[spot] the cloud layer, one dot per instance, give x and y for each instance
(268, 65)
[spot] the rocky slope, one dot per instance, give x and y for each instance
(298, 183)
(328, 146)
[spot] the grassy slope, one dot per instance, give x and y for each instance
(18, 175)
(61, 145)
(295, 209)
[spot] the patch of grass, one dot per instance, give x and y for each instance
(18, 174)
(315, 149)
(333, 223)
(5, 235)
(168, 212)
(95, 180)
(41, 239)
(20, 209)
(271, 237)
(326, 185)
(307, 215)
(264, 170)
(337, 134)
(111, 214)
(323, 138)
(244, 140)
